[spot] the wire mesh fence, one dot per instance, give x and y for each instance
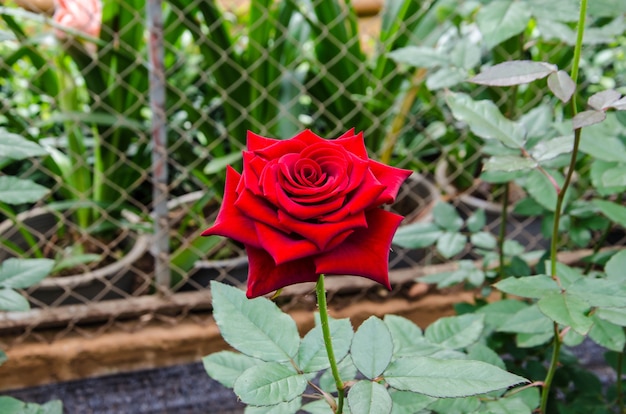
(275, 68)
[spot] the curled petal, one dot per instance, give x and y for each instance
(322, 234)
(264, 276)
(391, 178)
(366, 252)
(230, 221)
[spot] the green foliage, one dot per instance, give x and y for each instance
(20, 274)
(275, 366)
(11, 405)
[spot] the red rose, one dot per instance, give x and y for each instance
(307, 206)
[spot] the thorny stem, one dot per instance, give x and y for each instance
(559, 205)
(323, 309)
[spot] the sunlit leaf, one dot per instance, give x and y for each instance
(528, 286)
(552, 148)
(568, 310)
(372, 347)
(447, 378)
(23, 273)
(226, 366)
(603, 100)
(269, 383)
(509, 163)
(615, 212)
(485, 120)
(515, 72)
(312, 355)
(607, 334)
(15, 190)
(561, 85)
(502, 19)
(587, 118)
(369, 397)
(255, 327)
(419, 56)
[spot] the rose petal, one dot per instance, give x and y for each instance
(256, 142)
(264, 276)
(258, 210)
(230, 221)
(322, 233)
(391, 177)
(366, 252)
(354, 144)
(283, 247)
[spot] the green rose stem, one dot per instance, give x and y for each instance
(323, 309)
(556, 348)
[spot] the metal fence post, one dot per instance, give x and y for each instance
(160, 191)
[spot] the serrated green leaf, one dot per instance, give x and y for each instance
(22, 273)
(289, 407)
(514, 72)
(484, 240)
(3, 357)
(476, 221)
(312, 356)
(10, 300)
(372, 347)
(16, 147)
(405, 402)
(509, 163)
(417, 235)
(588, 118)
(407, 337)
(615, 212)
(528, 286)
(455, 332)
(419, 56)
(552, 148)
(481, 352)
(615, 268)
(369, 397)
(448, 378)
(531, 340)
(599, 292)
(269, 383)
(561, 85)
(15, 190)
(505, 406)
(446, 217)
(607, 334)
(613, 315)
(529, 320)
(498, 312)
(542, 189)
(485, 120)
(455, 405)
(51, 407)
(347, 372)
(451, 243)
(568, 310)
(255, 327)
(226, 366)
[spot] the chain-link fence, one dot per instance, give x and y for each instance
(133, 173)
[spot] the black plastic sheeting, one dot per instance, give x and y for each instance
(181, 389)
